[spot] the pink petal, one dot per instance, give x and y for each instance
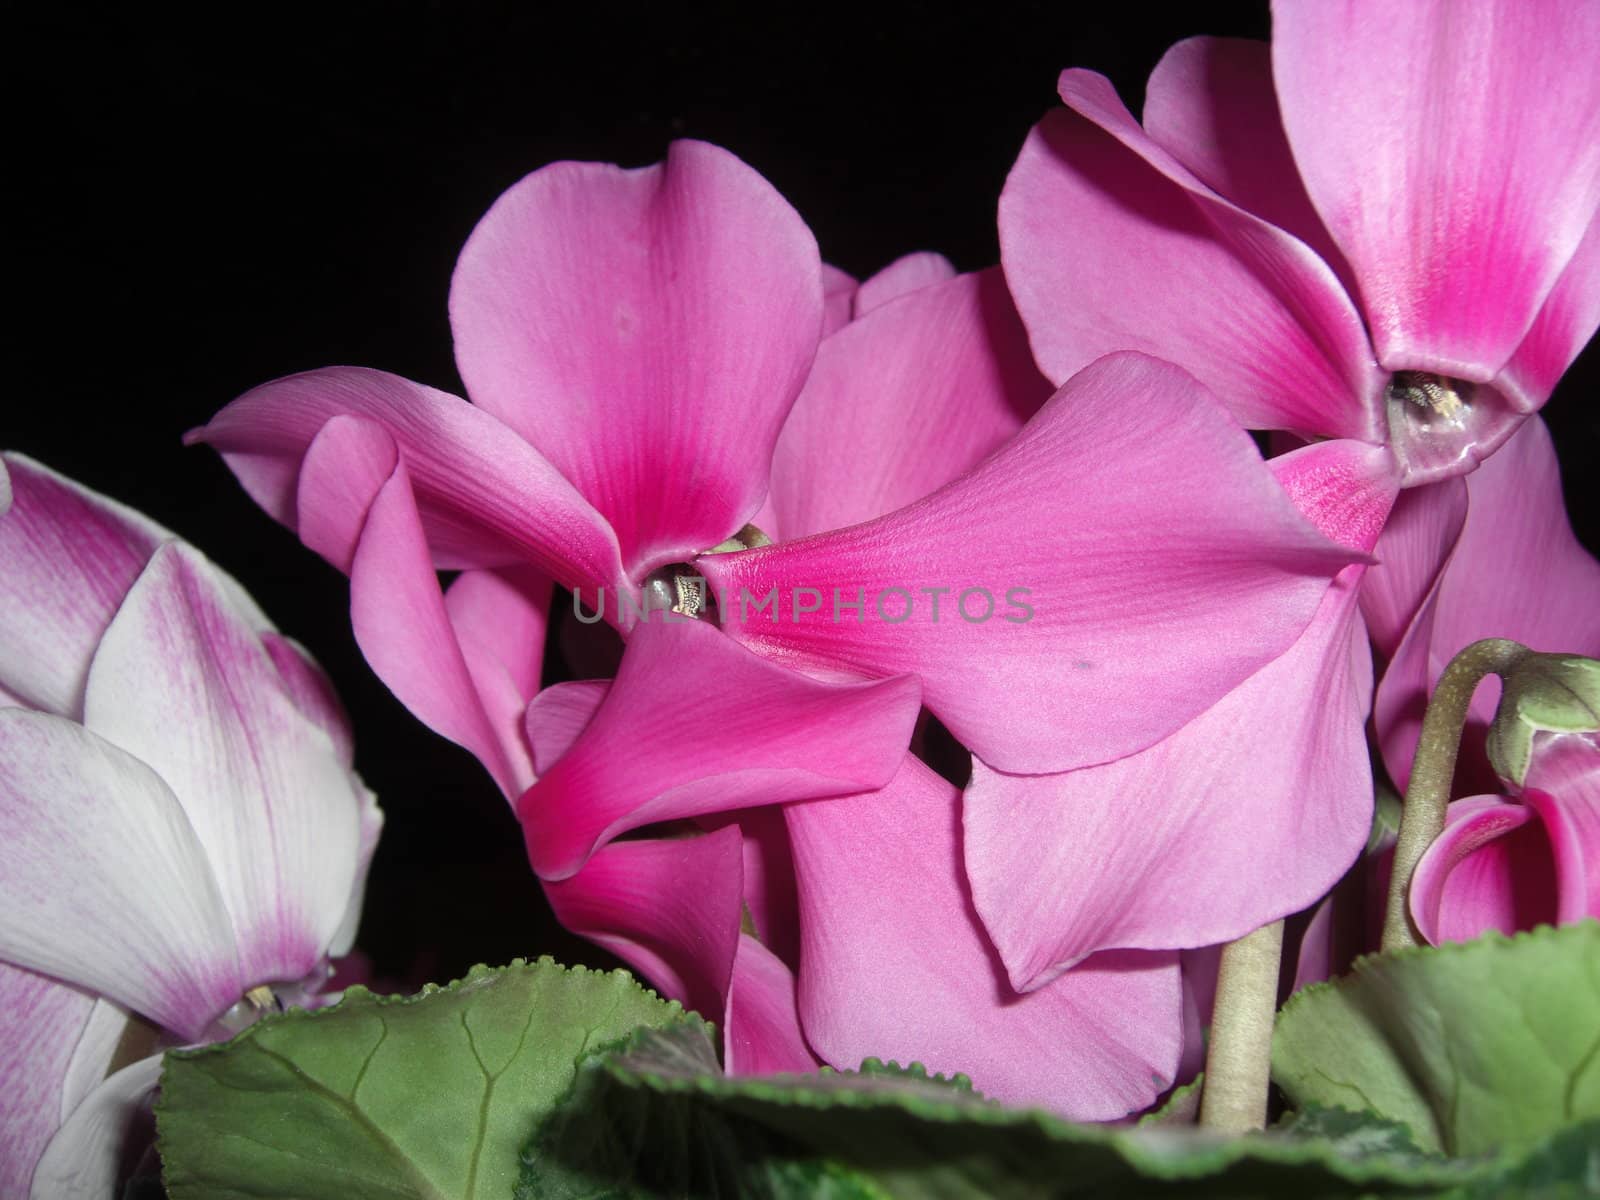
(1517, 572)
(307, 685)
(558, 714)
(695, 724)
(763, 1025)
(1248, 813)
(895, 964)
(486, 498)
(1565, 323)
(1457, 168)
(500, 618)
(647, 330)
(106, 885)
(1412, 549)
(182, 681)
(1110, 244)
(85, 1158)
(1211, 105)
(1131, 517)
(41, 1022)
(1491, 868)
(669, 908)
(838, 299)
(70, 555)
(1563, 787)
(902, 402)
(904, 275)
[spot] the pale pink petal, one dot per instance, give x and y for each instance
(485, 496)
(1517, 572)
(41, 1023)
(838, 300)
(182, 682)
(309, 687)
(647, 330)
(85, 1157)
(895, 964)
(694, 724)
(1563, 787)
(1211, 105)
(1109, 244)
(1140, 559)
(1248, 813)
(5, 488)
(1199, 999)
(70, 555)
(903, 401)
(906, 274)
(1453, 150)
(371, 826)
(667, 907)
(1564, 325)
(106, 885)
(500, 618)
(1491, 868)
(1412, 549)
(558, 714)
(103, 1035)
(763, 1024)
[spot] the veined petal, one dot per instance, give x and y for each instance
(1210, 104)
(647, 330)
(1516, 572)
(500, 618)
(696, 724)
(106, 885)
(311, 691)
(1565, 323)
(1457, 168)
(1138, 558)
(558, 714)
(906, 274)
(895, 964)
(901, 402)
(1248, 813)
(485, 496)
(1109, 244)
(668, 907)
(182, 682)
(1491, 868)
(1563, 787)
(1412, 549)
(83, 1159)
(70, 555)
(41, 1022)
(763, 1034)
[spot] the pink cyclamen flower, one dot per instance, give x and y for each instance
(182, 839)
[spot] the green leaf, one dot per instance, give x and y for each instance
(1474, 1046)
(383, 1098)
(657, 1118)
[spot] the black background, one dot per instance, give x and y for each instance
(211, 203)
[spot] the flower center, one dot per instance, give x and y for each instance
(252, 1006)
(1441, 426)
(679, 588)
(1432, 401)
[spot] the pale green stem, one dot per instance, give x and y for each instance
(1432, 772)
(1233, 1098)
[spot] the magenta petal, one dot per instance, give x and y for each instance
(1210, 103)
(1131, 518)
(69, 557)
(669, 908)
(484, 495)
(763, 1023)
(1412, 549)
(106, 885)
(1491, 868)
(905, 274)
(1109, 244)
(1248, 813)
(1457, 168)
(557, 715)
(1517, 572)
(902, 402)
(182, 681)
(838, 298)
(895, 964)
(647, 330)
(755, 733)
(1563, 787)
(1567, 321)
(41, 1021)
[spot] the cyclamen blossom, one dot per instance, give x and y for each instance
(183, 842)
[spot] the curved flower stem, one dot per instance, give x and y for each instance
(1233, 1098)
(1432, 771)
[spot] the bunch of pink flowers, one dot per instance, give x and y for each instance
(785, 494)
